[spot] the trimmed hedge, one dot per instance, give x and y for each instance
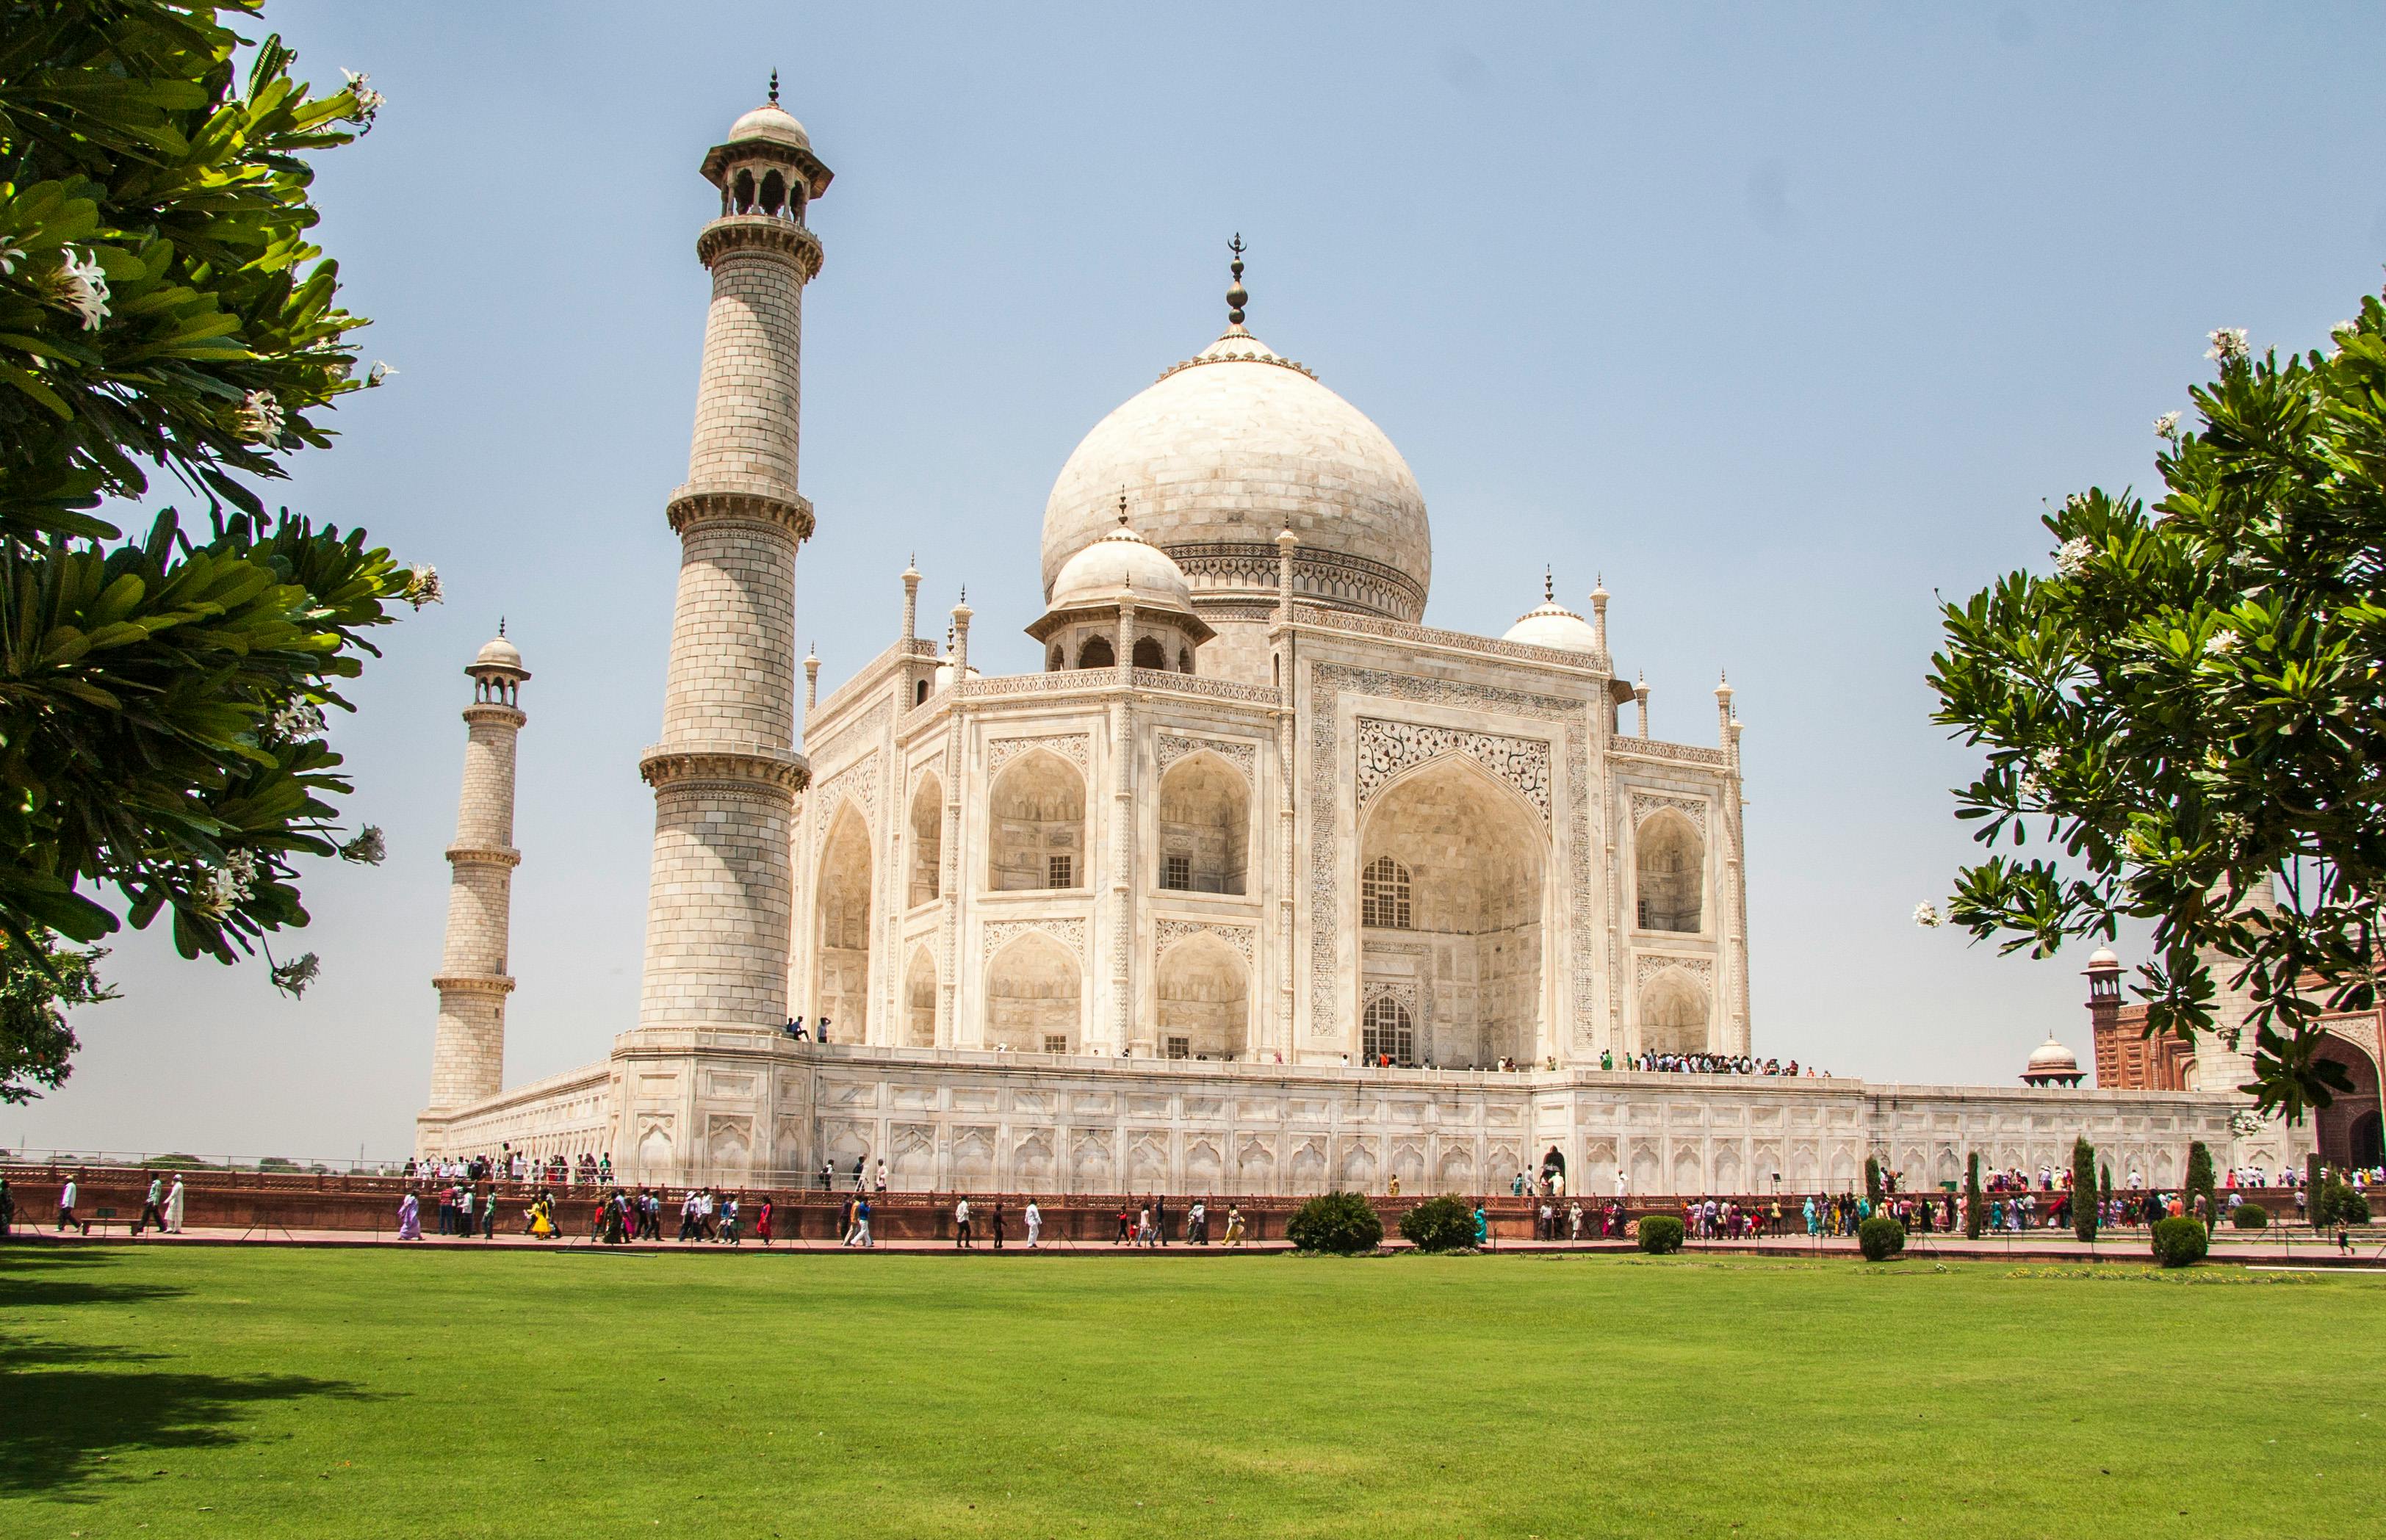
(2083, 1189)
(1661, 1233)
(2250, 1216)
(1880, 1238)
(1342, 1224)
(2180, 1242)
(1439, 1224)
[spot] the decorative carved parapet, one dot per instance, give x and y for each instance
(493, 711)
(1222, 568)
(1457, 641)
(1096, 680)
(484, 855)
(473, 984)
(738, 768)
(736, 233)
(789, 511)
(1650, 749)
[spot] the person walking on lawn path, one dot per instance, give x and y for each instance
(962, 1225)
(153, 1207)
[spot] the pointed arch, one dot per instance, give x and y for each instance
(841, 1002)
(927, 839)
(1148, 654)
(1097, 653)
(1205, 825)
(1204, 999)
(1674, 1014)
(1477, 857)
(1039, 812)
(1034, 997)
(920, 1000)
(1670, 871)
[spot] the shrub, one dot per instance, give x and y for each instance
(2083, 1189)
(1439, 1224)
(2251, 1216)
(1975, 1213)
(1661, 1233)
(2338, 1204)
(2200, 1180)
(1342, 1223)
(1880, 1238)
(2180, 1242)
(1872, 1178)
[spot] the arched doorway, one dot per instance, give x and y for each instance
(1204, 1000)
(1034, 990)
(920, 1000)
(1453, 861)
(1038, 806)
(842, 1003)
(927, 839)
(1674, 1014)
(1205, 817)
(2347, 1128)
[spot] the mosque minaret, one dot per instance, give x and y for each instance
(1254, 883)
(468, 1056)
(725, 774)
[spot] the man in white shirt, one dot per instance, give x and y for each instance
(66, 1204)
(961, 1224)
(1034, 1223)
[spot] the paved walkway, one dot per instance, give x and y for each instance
(2297, 1248)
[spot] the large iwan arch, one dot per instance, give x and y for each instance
(1475, 853)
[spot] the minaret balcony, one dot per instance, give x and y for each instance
(764, 232)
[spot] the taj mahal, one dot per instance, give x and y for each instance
(1262, 884)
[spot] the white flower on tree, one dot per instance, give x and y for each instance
(9, 257)
(83, 285)
(228, 886)
(423, 586)
(379, 372)
(2166, 426)
(2073, 558)
(369, 101)
(298, 722)
(2222, 642)
(260, 417)
(1926, 914)
(2228, 344)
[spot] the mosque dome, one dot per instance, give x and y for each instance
(1227, 449)
(1119, 562)
(1551, 624)
(2053, 1058)
(772, 122)
(2103, 959)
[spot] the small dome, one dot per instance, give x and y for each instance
(772, 122)
(1553, 625)
(2104, 960)
(1121, 560)
(944, 675)
(2053, 1058)
(498, 653)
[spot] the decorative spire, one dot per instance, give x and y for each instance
(1236, 296)
(501, 625)
(1122, 505)
(1549, 586)
(775, 88)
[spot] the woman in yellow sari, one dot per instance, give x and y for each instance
(542, 1218)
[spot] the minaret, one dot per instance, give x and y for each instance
(467, 1056)
(726, 774)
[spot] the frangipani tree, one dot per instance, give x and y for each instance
(2191, 710)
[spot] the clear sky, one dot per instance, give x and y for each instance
(1782, 318)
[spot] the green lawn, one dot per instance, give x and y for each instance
(284, 1392)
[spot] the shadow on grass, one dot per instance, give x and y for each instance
(71, 1406)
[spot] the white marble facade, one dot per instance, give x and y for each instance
(1153, 915)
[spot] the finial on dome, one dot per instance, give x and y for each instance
(1122, 505)
(501, 625)
(775, 88)
(1549, 586)
(1237, 298)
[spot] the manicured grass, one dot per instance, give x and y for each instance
(287, 1392)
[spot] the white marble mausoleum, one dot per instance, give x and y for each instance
(1260, 884)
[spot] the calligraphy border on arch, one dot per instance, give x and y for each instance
(1328, 681)
(1692, 807)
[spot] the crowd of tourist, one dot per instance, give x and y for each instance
(1709, 1064)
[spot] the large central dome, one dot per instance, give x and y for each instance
(1219, 456)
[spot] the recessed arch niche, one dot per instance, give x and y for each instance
(842, 1003)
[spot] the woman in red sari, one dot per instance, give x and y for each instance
(763, 1223)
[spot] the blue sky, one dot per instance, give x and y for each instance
(1781, 318)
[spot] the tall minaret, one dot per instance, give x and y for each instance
(468, 1056)
(726, 774)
